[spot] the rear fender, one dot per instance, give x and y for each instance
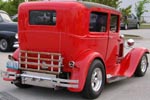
(82, 65)
(131, 61)
(16, 54)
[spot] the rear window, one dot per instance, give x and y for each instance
(42, 17)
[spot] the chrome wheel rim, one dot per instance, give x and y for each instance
(143, 64)
(3, 44)
(96, 80)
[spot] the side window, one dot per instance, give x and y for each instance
(42, 17)
(114, 23)
(98, 22)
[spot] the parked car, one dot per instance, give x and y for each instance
(15, 18)
(75, 45)
(130, 21)
(8, 32)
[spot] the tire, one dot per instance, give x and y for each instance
(20, 85)
(126, 26)
(95, 80)
(137, 26)
(142, 66)
(4, 45)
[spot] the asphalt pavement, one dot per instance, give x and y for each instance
(134, 88)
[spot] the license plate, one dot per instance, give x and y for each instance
(12, 64)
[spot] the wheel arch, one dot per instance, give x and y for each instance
(81, 73)
(130, 62)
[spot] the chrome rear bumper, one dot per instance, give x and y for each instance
(41, 79)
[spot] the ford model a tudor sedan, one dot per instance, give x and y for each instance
(76, 45)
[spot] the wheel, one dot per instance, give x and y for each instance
(126, 26)
(137, 26)
(142, 66)
(4, 45)
(95, 80)
(20, 85)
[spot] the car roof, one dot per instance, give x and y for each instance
(98, 5)
(2, 11)
(83, 3)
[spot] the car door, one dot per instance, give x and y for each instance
(99, 31)
(113, 43)
(134, 19)
(130, 21)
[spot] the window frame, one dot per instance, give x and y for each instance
(117, 23)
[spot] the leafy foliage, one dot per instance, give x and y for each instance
(140, 8)
(112, 3)
(11, 6)
(126, 11)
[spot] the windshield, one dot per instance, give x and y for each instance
(5, 17)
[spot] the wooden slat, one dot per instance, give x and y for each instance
(36, 64)
(45, 59)
(46, 53)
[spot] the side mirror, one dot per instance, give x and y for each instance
(130, 42)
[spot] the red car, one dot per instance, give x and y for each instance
(76, 45)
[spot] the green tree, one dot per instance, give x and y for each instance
(2, 4)
(126, 11)
(112, 3)
(10, 6)
(140, 8)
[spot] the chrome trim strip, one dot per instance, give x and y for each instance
(16, 44)
(39, 71)
(11, 75)
(50, 79)
(40, 78)
(114, 79)
(54, 81)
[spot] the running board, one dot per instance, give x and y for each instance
(111, 79)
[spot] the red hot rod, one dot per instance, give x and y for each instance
(73, 44)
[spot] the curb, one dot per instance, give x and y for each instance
(127, 36)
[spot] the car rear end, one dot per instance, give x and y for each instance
(44, 56)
